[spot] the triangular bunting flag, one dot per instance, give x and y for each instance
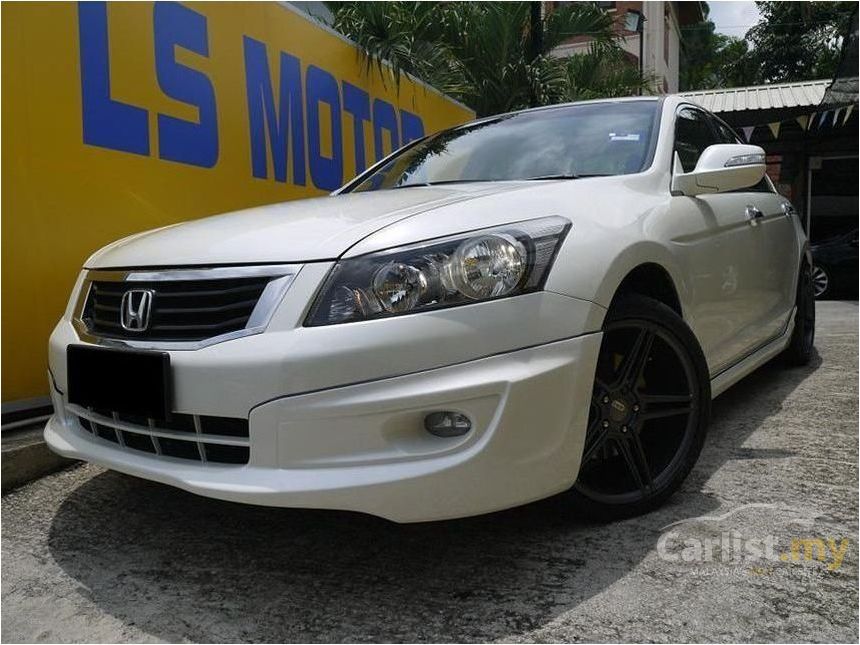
(848, 112)
(748, 132)
(774, 128)
(803, 121)
(836, 116)
(812, 120)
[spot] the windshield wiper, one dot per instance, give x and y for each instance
(563, 176)
(442, 182)
(468, 181)
(549, 177)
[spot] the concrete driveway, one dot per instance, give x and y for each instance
(89, 555)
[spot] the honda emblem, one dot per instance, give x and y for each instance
(135, 309)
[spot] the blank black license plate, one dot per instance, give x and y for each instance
(119, 380)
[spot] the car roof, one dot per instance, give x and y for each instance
(557, 106)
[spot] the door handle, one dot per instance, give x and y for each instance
(753, 214)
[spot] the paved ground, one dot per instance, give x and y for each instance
(26, 456)
(90, 555)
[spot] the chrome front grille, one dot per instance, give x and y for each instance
(186, 308)
(181, 310)
(206, 439)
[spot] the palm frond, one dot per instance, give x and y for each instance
(576, 19)
(484, 54)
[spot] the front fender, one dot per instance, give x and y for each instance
(594, 272)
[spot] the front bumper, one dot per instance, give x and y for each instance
(363, 447)
(231, 378)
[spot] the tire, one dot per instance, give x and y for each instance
(821, 281)
(650, 410)
(799, 349)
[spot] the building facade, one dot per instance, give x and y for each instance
(651, 33)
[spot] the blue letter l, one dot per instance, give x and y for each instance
(107, 123)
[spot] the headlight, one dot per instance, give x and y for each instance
(482, 265)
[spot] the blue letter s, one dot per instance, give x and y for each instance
(180, 140)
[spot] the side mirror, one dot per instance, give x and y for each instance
(721, 168)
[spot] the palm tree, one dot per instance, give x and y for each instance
(492, 56)
(604, 72)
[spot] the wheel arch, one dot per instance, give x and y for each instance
(805, 262)
(806, 256)
(654, 281)
(648, 270)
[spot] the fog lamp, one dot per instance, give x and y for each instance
(447, 424)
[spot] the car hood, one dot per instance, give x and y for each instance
(299, 231)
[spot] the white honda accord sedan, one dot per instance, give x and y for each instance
(529, 304)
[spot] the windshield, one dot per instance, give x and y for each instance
(566, 142)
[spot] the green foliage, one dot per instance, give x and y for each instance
(493, 56)
(604, 73)
(792, 41)
(799, 41)
(710, 60)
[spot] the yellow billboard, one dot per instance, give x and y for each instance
(120, 117)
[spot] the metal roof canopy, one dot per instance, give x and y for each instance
(759, 103)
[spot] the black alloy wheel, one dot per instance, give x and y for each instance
(649, 410)
(820, 280)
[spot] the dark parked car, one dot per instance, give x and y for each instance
(835, 270)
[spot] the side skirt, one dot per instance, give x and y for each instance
(731, 375)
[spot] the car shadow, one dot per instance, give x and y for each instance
(182, 567)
